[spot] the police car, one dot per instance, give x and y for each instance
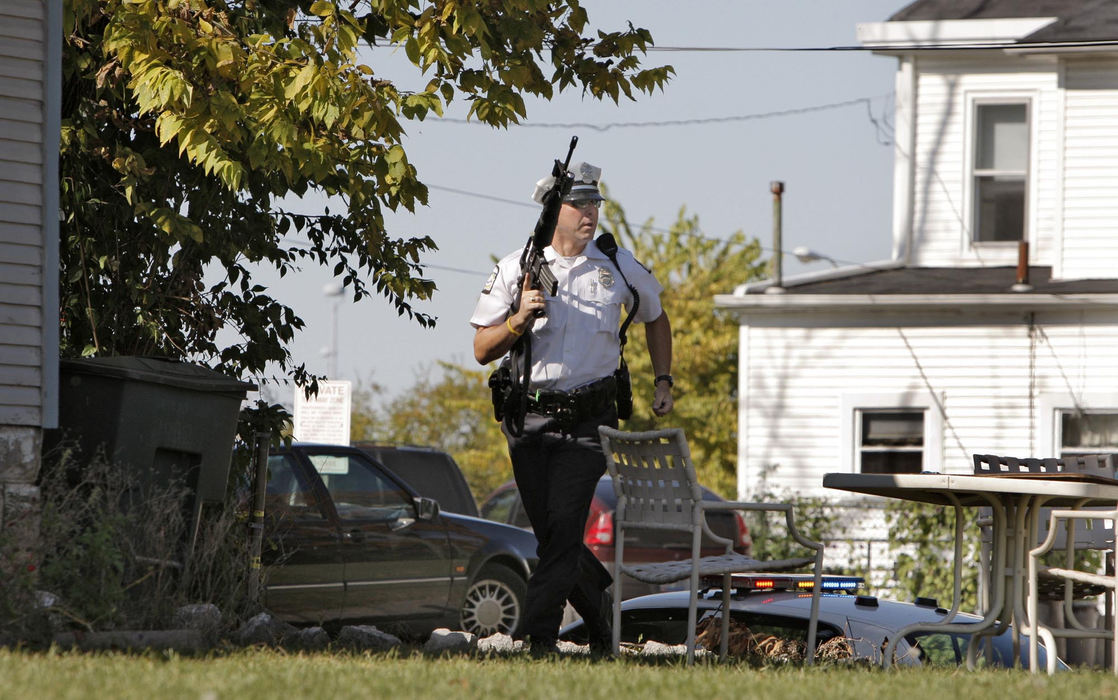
(780, 605)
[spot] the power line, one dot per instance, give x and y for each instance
(688, 122)
(479, 195)
(989, 46)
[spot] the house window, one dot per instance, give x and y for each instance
(1001, 163)
(1088, 432)
(891, 441)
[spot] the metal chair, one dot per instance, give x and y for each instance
(1107, 582)
(1104, 465)
(656, 488)
(1053, 528)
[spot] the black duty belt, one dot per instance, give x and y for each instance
(572, 407)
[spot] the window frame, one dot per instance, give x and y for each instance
(972, 172)
(862, 448)
(852, 405)
(1051, 408)
(1103, 449)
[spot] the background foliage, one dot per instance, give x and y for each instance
(692, 267)
(922, 537)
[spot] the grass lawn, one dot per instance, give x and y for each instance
(246, 674)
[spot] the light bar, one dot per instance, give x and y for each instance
(842, 583)
(794, 582)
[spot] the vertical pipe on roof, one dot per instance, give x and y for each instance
(777, 286)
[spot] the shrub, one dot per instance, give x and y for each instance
(117, 554)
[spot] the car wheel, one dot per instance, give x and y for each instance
(494, 602)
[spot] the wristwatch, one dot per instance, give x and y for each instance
(664, 378)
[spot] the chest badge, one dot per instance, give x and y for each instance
(605, 277)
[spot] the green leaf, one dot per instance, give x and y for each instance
(322, 8)
(304, 76)
(411, 48)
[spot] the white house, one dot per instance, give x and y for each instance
(1006, 134)
(30, 90)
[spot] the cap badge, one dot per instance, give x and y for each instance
(605, 277)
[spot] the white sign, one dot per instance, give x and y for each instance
(323, 418)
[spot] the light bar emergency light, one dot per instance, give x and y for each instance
(743, 583)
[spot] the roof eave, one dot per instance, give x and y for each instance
(1010, 301)
(842, 272)
(1039, 48)
(938, 33)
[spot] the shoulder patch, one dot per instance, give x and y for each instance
(490, 282)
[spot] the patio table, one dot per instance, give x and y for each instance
(1016, 501)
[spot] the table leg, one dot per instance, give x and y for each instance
(998, 593)
(1000, 535)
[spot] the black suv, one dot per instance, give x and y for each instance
(349, 540)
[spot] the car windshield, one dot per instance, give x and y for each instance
(358, 488)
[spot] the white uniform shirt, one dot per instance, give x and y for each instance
(576, 342)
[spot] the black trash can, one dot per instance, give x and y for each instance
(158, 419)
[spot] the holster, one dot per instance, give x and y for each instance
(500, 387)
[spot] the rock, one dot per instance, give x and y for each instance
(653, 648)
(182, 641)
(444, 641)
(499, 644)
(307, 639)
(366, 638)
(263, 629)
(49, 604)
(203, 617)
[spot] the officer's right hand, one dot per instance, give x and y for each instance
(530, 301)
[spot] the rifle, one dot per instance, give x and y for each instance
(510, 382)
(532, 262)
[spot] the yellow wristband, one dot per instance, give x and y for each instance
(508, 323)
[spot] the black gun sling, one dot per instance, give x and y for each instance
(608, 245)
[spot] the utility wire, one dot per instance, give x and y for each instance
(689, 122)
(989, 46)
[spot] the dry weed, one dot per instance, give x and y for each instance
(766, 648)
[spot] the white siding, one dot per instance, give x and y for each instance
(946, 88)
(988, 371)
(1090, 246)
(22, 167)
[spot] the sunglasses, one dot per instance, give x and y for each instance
(584, 203)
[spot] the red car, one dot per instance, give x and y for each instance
(503, 505)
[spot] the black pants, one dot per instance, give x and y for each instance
(556, 474)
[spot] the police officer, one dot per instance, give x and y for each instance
(557, 458)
